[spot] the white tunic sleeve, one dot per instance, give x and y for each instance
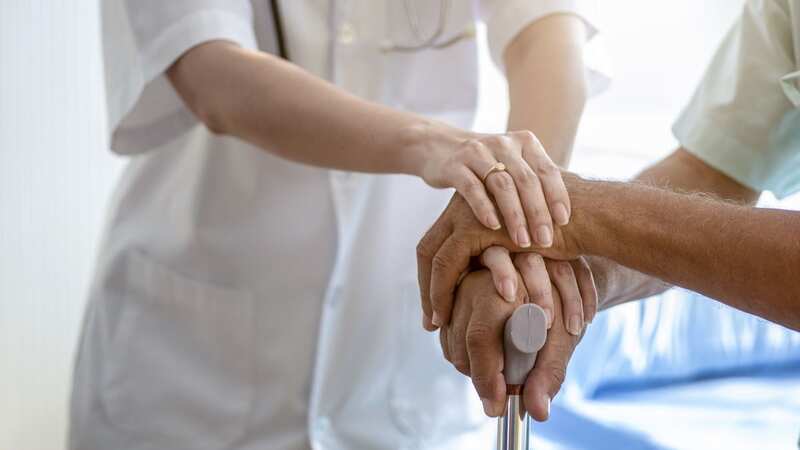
(740, 120)
(141, 39)
(506, 18)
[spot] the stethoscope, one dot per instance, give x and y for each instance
(430, 42)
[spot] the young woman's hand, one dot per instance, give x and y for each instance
(511, 171)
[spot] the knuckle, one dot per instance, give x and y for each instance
(547, 168)
(527, 136)
(502, 181)
(515, 216)
(482, 382)
(496, 140)
(424, 248)
(527, 177)
(478, 335)
(441, 262)
(461, 364)
(540, 291)
(530, 260)
(474, 147)
(471, 186)
(563, 269)
(505, 144)
(556, 374)
(541, 217)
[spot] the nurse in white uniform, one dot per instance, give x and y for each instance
(256, 288)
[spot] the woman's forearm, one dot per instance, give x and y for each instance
(546, 82)
(285, 110)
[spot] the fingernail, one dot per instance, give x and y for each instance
(487, 406)
(560, 214)
(523, 239)
(509, 289)
(546, 400)
(493, 221)
(436, 319)
(544, 237)
(574, 326)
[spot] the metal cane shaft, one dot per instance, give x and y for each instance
(524, 334)
(513, 428)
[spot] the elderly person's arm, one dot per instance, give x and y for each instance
(743, 256)
(680, 172)
(476, 355)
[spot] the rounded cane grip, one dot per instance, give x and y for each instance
(525, 333)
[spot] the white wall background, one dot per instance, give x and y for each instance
(55, 174)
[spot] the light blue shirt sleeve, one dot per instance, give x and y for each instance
(740, 120)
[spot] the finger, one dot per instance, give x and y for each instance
(426, 249)
(457, 335)
(549, 174)
(504, 275)
(504, 191)
(533, 201)
(447, 264)
(537, 281)
(563, 277)
(444, 343)
(485, 350)
(471, 187)
(547, 376)
(585, 279)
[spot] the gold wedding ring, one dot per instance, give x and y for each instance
(496, 167)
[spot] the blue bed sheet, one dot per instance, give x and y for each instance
(679, 371)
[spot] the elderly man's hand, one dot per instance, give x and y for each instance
(444, 253)
(473, 343)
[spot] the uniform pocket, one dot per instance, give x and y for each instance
(178, 368)
(430, 400)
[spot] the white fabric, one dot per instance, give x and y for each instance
(244, 301)
(506, 18)
(742, 119)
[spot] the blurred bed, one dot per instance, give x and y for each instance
(679, 372)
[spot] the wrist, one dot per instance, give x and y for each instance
(424, 144)
(603, 274)
(585, 197)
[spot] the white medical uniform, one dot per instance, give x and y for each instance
(243, 301)
(744, 118)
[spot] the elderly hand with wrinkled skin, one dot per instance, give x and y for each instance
(473, 343)
(445, 253)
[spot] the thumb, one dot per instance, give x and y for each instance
(541, 387)
(547, 376)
